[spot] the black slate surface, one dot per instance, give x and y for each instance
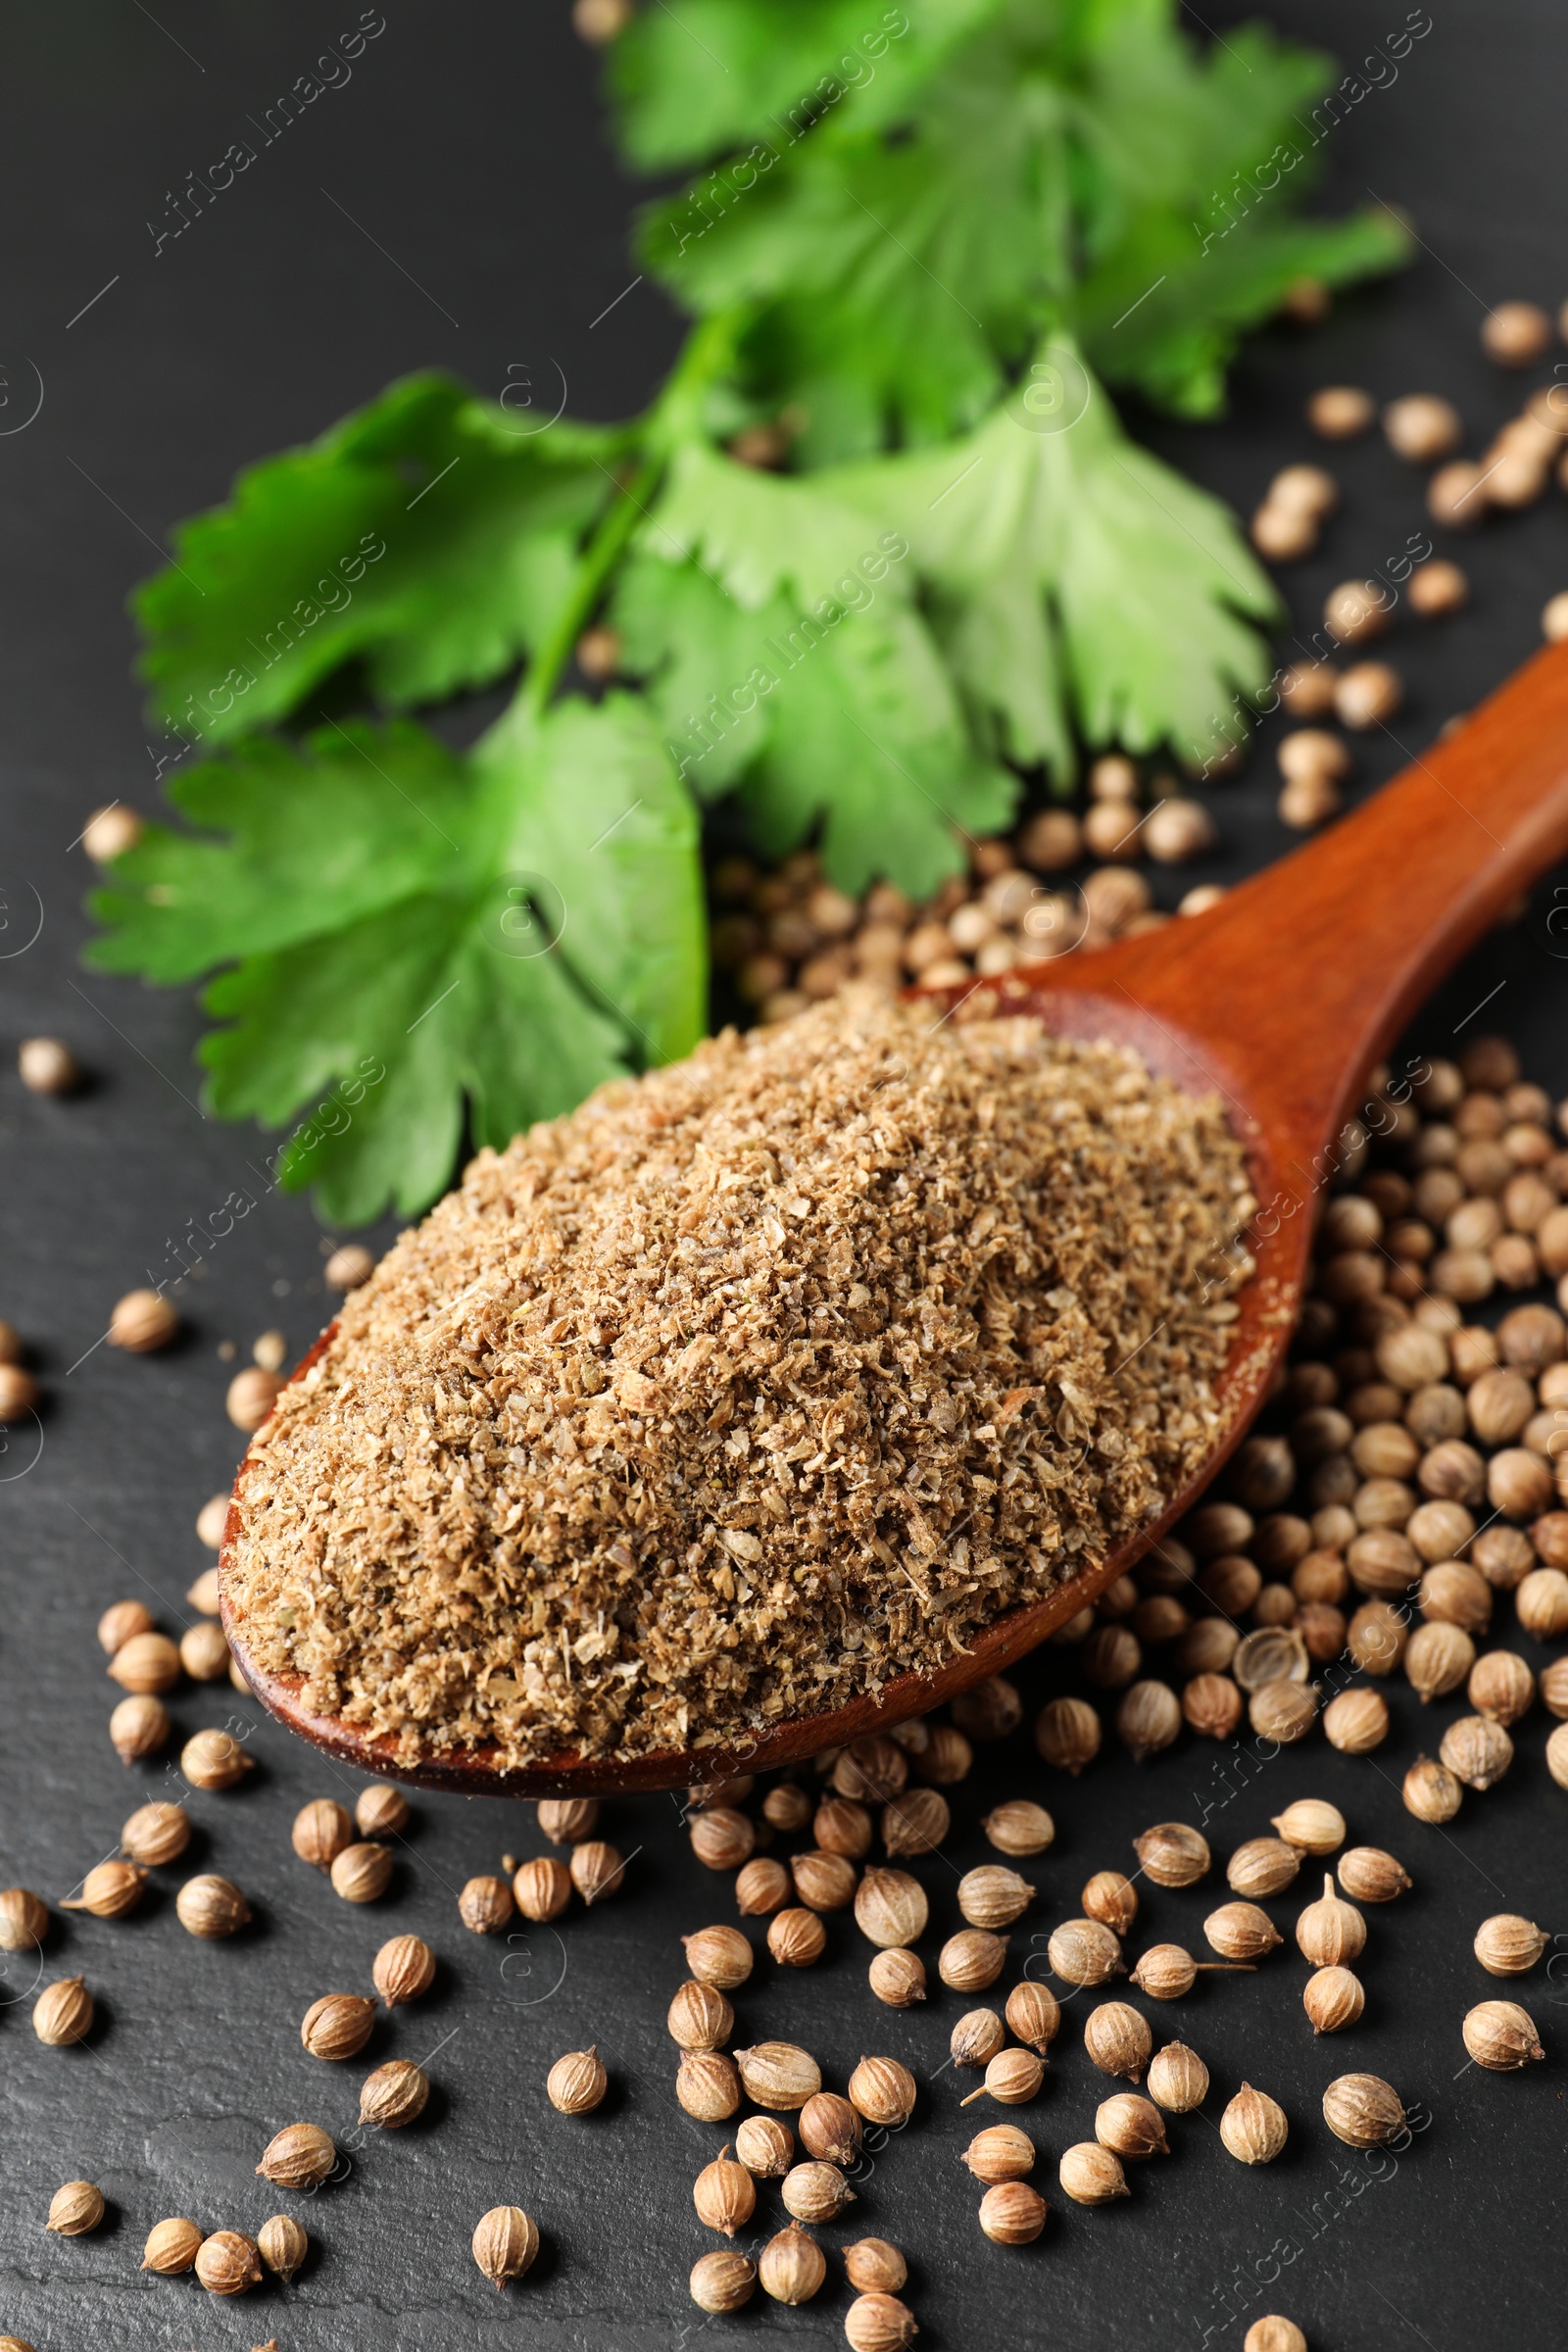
(467, 146)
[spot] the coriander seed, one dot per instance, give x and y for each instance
(1330, 1930)
(972, 1959)
(1501, 2035)
(382, 1811)
(915, 1821)
(337, 2026)
(110, 1891)
(722, 2282)
(890, 1907)
(506, 2242)
(1254, 2127)
(842, 1827)
(823, 1882)
(212, 1908)
(1131, 2125)
(720, 1956)
(542, 1888)
(1437, 1659)
(1476, 1751)
(721, 1839)
(321, 1832)
(883, 2091)
(993, 1897)
(47, 1067)
(1507, 1945)
(779, 2075)
(1166, 1972)
(1002, 2152)
(204, 1653)
(814, 2192)
(228, 2262)
(1241, 1932)
(403, 1970)
(708, 2085)
(765, 2146)
(1034, 2014)
(283, 2245)
(141, 1322)
(976, 2037)
(1370, 1875)
(1502, 1687)
(75, 2209)
(1430, 1792)
(62, 2013)
(898, 1978)
(361, 1874)
(1081, 1951)
(1067, 1734)
(24, 1920)
(576, 2084)
(1283, 1711)
(122, 1621)
(1172, 1854)
(1091, 2175)
(139, 1727)
(724, 2194)
(156, 1833)
(874, 2267)
(1012, 2214)
(568, 1820)
(796, 1937)
(214, 1760)
(1356, 1722)
(1272, 2333)
(762, 1887)
(875, 1769)
(1012, 2077)
(699, 2016)
(948, 1757)
(1332, 1999)
(830, 2128)
(300, 2156)
(394, 2094)
(1019, 1828)
(1117, 2039)
(1362, 2110)
(171, 2248)
(146, 1664)
(1148, 1719)
(596, 1869)
(484, 1904)
(1311, 1826)
(1178, 2078)
(1112, 1898)
(792, 2267)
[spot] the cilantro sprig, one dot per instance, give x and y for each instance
(921, 243)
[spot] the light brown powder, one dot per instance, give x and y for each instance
(748, 1384)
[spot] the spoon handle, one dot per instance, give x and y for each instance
(1298, 982)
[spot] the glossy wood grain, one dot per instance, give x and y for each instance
(1281, 1000)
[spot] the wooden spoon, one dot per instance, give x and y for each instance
(1282, 1000)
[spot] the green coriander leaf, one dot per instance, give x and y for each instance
(1071, 574)
(1193, 166)
(1171, 334)
(705, 76)
(432, 535)
(416, 935)
(778, 630)
(896, 273)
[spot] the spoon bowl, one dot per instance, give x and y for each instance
(1281, 1000)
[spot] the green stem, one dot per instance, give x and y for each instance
(675, 417)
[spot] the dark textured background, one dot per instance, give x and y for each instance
(468, 146)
